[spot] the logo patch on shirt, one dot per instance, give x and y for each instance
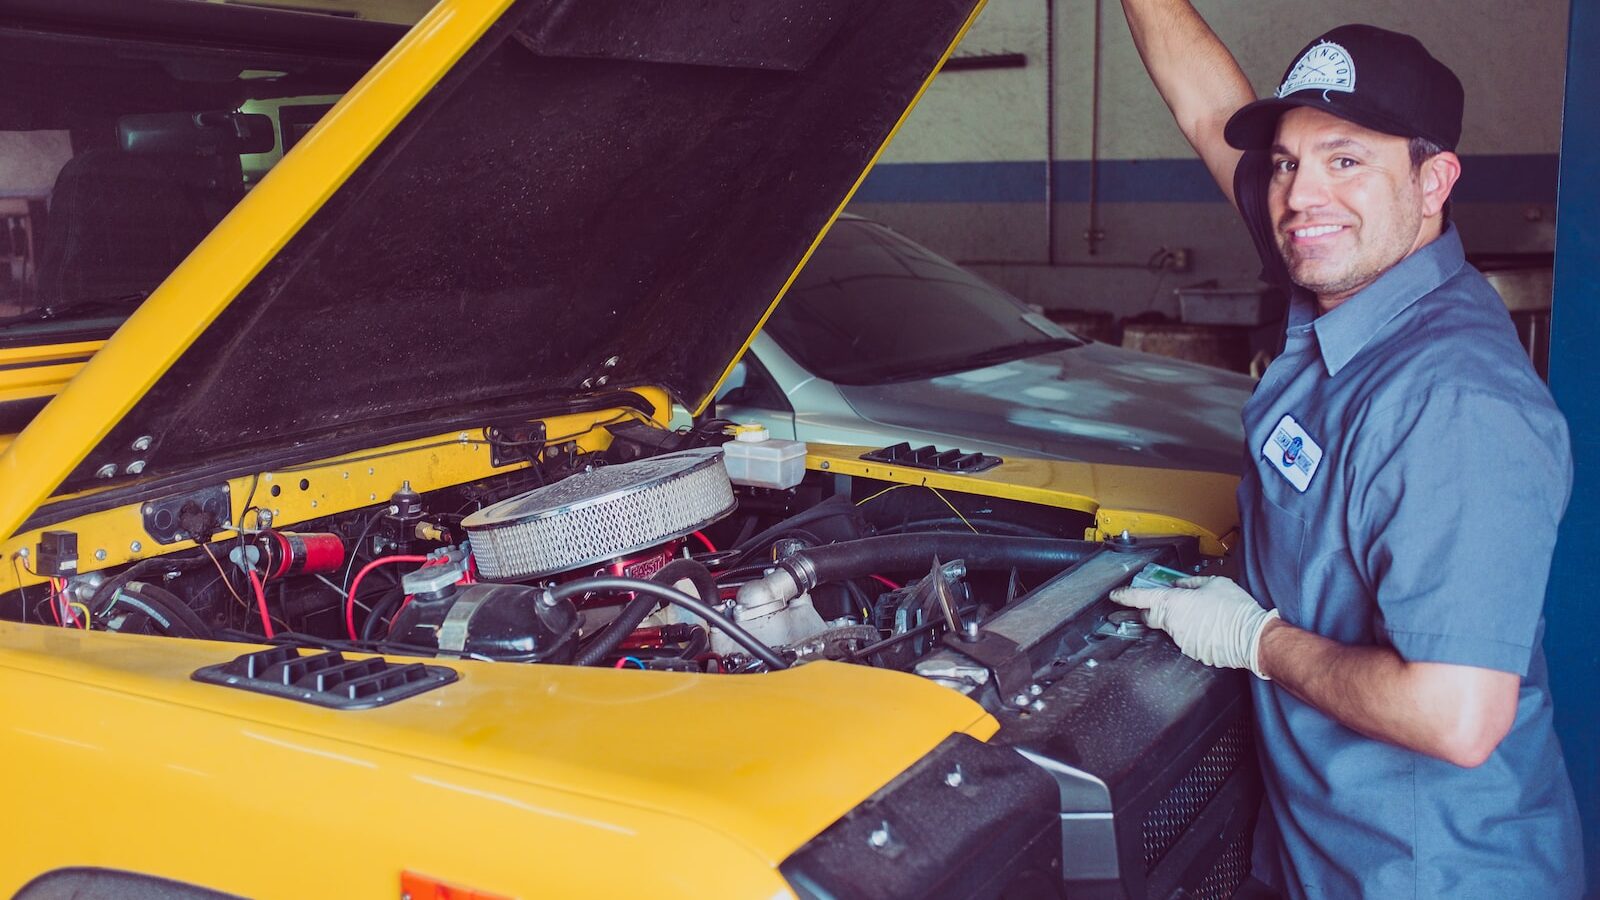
(1325, 67)
(1292, 453)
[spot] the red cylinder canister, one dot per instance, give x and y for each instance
(294, 553)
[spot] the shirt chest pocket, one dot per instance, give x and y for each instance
(1277, 537)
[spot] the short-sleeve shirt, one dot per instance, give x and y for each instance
(1406, 471)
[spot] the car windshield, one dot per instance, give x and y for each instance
(872, 307)
(118, 155)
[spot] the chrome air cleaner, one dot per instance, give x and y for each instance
(600, 515)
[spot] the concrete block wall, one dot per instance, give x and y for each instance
(966, 174)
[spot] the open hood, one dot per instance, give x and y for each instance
(513, 212)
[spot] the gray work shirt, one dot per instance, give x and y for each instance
(1407, 470)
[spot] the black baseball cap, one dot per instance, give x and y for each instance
(1379, 79)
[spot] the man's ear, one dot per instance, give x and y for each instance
(1438, 176)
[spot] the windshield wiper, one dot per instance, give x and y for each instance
(61, 310)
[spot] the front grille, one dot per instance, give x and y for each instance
(1170, 818)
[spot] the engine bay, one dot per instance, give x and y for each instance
(642, 555)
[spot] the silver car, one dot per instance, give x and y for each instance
(880, 340)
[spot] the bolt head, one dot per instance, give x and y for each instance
(612, 361)
(954, 778)
(136, 467)
(313, 504)
(825, 465)
(1092, 664)
(1035, 689)
(141, 443)
(601, 380)
(23, 552)
(880, 836)
(1020, 700)
(1037, 706)
(587, 383)
(135, 547)
(100, 555)
(109, 470)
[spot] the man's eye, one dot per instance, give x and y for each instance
(1345, 162)
(1283, 165)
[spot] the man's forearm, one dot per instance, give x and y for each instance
(1430, 708)
(1195, 74)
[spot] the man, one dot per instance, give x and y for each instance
(1406, 474)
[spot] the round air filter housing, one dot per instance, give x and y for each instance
(600, 515)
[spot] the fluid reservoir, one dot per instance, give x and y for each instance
(755, 458)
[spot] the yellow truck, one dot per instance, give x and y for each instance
(347, 552)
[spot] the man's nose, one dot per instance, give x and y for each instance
(1308, 189)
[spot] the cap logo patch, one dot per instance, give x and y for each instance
(1325, 67)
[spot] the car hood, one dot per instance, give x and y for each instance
(525, 206)
(1096, 403)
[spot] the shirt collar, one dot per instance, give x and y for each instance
(1344, 332)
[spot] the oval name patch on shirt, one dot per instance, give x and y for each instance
(1292, 452)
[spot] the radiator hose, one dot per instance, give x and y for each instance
(800, 572)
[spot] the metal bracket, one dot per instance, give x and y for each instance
(1005, 660)
(514, 442)
(193, 516)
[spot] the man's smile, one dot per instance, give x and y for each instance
(1315, 232)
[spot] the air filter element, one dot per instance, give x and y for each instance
(600, 515)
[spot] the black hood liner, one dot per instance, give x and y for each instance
(551, 206)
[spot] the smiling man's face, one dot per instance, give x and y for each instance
(1346, 203)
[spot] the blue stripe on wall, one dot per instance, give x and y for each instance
(1520, 178)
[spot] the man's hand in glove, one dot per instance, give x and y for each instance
(1211, 619)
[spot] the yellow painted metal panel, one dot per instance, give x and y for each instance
(158, 332)
(1140, 500)
(530, 781)
(35, 381)
(330, 486)
(47, 353)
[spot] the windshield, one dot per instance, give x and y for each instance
(117, 157)
(872, 307)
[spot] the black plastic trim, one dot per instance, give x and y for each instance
(327, 678)
(968, 820)
(930, 457)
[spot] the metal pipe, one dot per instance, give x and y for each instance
(1093, 235)
(1050, 131)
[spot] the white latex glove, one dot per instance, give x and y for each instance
(1211, 619)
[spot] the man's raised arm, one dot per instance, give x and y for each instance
(1196, 75)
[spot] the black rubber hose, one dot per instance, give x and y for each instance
(163, 607)
(384, 608)
(677, 598)
(915, 552)
(102, 593)
(697, 644)
(641, 605)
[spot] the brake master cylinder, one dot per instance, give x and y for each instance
(756, 459)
